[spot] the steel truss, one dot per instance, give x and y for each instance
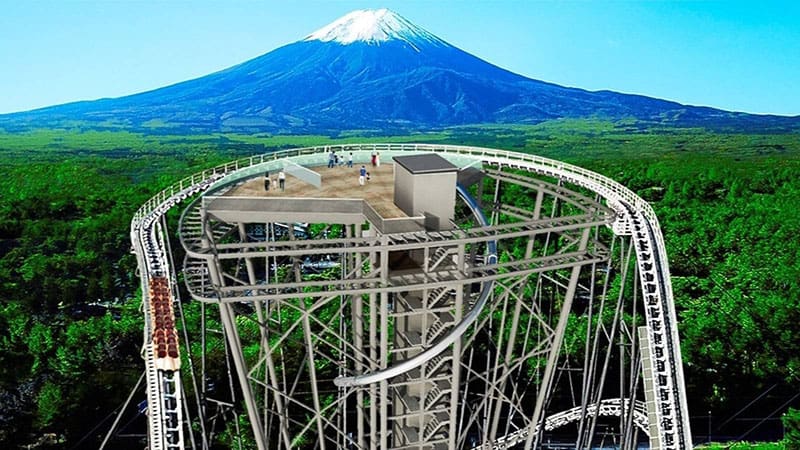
(547, 307)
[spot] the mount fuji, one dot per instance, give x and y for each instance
(370, 69)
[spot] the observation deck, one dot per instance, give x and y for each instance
(339, 182)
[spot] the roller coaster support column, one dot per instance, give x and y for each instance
(232, 335)
(552, 360)
(241, 370)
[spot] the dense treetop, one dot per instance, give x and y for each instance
(70, 329)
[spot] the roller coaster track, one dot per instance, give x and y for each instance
(164, 391)
(634, 217)
(607, 408)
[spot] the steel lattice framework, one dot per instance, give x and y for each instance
(546, 306)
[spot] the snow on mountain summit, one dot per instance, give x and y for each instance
(373, 26)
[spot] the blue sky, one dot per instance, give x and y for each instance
(742, 56)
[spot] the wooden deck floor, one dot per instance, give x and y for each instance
(337, 182)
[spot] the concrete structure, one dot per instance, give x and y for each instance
(426, 185)
(361, 328)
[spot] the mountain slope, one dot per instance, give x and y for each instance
(368, 69)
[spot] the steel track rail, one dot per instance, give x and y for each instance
(164, 402)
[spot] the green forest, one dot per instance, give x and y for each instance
(70, 326)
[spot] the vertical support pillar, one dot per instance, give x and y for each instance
(312, 371)
(226, 314)
(496, 203)
(232, 335)
(558, 337)
(537, 207)
(358, 342)
(262, 320)
(455, 380)
(373, 355)
(384, 346)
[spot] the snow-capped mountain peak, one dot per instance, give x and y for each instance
(373, 26)
(369, 70)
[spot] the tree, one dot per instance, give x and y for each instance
(791, 425)
(48, 403)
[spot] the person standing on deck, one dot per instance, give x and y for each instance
(331, 159)
(374, 158)
(378, 159)
(362, 174)
(350, 160)
(266, 181)
(282, 179)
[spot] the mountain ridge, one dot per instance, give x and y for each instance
(370, 69)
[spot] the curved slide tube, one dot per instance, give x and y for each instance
(450, 338)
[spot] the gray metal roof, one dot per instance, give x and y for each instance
(425, 163)
(469, 176)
